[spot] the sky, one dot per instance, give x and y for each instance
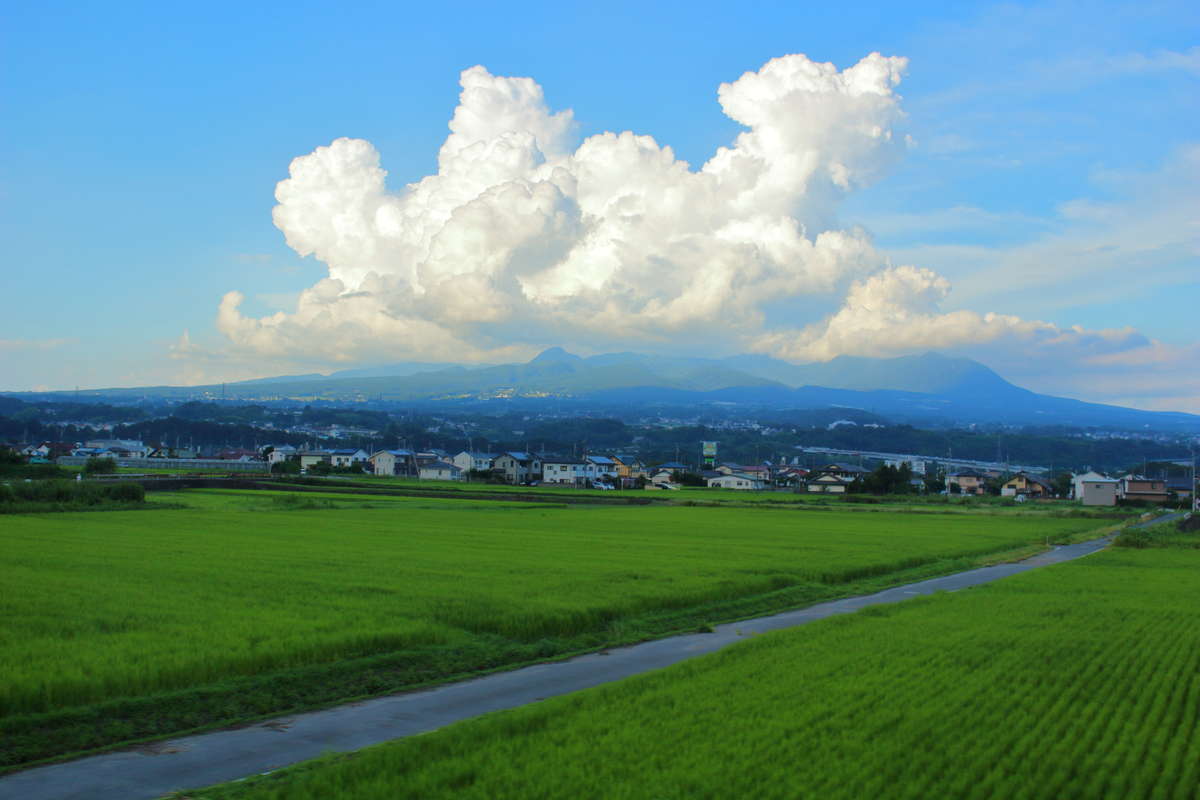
(194, 194)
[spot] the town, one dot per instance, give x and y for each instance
(875, 472)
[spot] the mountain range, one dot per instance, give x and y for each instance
(921, 389)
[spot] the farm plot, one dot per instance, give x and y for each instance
(1080, 680)
(122, 607)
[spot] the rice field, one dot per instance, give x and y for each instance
(1080, 680)
(121, 604)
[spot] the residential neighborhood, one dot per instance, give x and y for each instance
(592, 470)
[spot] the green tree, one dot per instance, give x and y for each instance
(99, 466)
(688, 478)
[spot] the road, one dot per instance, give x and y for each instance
(150, 771)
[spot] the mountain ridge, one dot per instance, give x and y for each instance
(926, 387)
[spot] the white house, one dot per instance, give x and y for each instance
(281, 453)
(573, 471)
(440, 471)
(393, 462)
(735, 480)
(348, 457)
(468, 460)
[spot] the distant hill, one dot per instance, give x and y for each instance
(922, 389)
(931, 373)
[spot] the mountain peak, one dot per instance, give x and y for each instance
(555, 355)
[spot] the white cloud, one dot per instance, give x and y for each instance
(523, 239)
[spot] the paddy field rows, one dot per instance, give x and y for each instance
(230, 605)
(1080, 680)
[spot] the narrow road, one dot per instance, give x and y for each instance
(150, 771)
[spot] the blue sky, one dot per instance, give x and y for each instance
(1050, 176)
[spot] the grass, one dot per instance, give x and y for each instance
(1076, 681)
(941, 504)
(126, 625)
(1165, 534)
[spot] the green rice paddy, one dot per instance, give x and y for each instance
(1075, 681)
(129, 624)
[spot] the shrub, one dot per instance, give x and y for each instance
(71, 494)
(126, 492)
(99, 466)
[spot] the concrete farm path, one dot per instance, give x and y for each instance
(152, 770)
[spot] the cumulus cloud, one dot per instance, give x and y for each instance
(899, 309)
(524, 239)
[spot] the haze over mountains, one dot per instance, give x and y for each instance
(920, 389)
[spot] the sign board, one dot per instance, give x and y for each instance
(709, 449)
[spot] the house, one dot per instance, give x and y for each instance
(238, 454)
(1027, 485)
(736, 480)
(92, 452)
(439, 471)
(429, 456)
(968, 481)
(663, 476)
(1182, 487)
(310, 458)
(179, 452)
(469, 460)
(849, 472)
(572, 471)
(132, 447)
(394, 462)
(1096, 491)
(1136, 487)
(842, 468)
(759, 472)
(281, 453)
(348, 457)
(49, 450)
(830, 482)
(791, 476)
(517, 467)
(834, 478)
(1077, 481)
(629, 466)
(605, 467)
